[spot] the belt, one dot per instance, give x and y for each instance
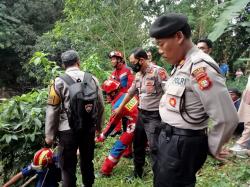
(146, 112)
(170, 130)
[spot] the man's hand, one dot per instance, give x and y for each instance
(49, 141)
(116, 112)
(222, 155)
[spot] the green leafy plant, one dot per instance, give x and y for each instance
(231, 11)
(42, 69)
(21, 129)
(239, 83)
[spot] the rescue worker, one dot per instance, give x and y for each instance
(43, 166)
(130, 112)
(57, 123)
(123, 74)
(148, 85)
(195, 92)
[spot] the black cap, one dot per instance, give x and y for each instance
(167, 25)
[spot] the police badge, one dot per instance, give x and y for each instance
(88, 107)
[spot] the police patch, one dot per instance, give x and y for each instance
(53, 98)
(199, 73)
(204, 83)
(88, 107)
(202, 78)
(172, 101)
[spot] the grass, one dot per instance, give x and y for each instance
(233, 173)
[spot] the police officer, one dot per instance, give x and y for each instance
(194, 93)
(205, 45)
(57, 123)
(148, 85)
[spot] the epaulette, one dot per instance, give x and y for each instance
(202, 57)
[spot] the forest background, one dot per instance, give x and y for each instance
(34, 33)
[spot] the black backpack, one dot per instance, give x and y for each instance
(82, 111)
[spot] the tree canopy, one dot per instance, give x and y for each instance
(21, 23)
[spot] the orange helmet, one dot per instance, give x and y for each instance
(115, 54)
(42, 158)
(110, 85)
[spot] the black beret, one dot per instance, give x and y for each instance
(167, 25)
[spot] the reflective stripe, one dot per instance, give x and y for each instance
(42, 156)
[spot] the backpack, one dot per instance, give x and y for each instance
(82, 111)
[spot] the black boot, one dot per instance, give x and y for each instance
(138, 172)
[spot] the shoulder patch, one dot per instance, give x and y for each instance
(202, 78)
(199, 73)
(162, 73)
(131, 104)
(53, 98)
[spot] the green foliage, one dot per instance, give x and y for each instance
(231, 11)
(235, 172)
(21, 22)
(102, 26)
(198, 12)
(21, 129)
(42, 69)
(240, 63)
(231, 33)
(92, 65)
(239, 83)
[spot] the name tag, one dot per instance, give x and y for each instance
(181, 81)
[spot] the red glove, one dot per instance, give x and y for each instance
(100, 138)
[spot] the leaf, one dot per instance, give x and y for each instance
(14, 137)
(231, 11)
(37, 61)
(8, 138)
(32, 137)
(18, 125)
(3, 138)
(38, 122)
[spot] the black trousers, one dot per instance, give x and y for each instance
(70, 142)
(147, 129)
(179, 157)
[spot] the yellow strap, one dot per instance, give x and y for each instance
(53, 98)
